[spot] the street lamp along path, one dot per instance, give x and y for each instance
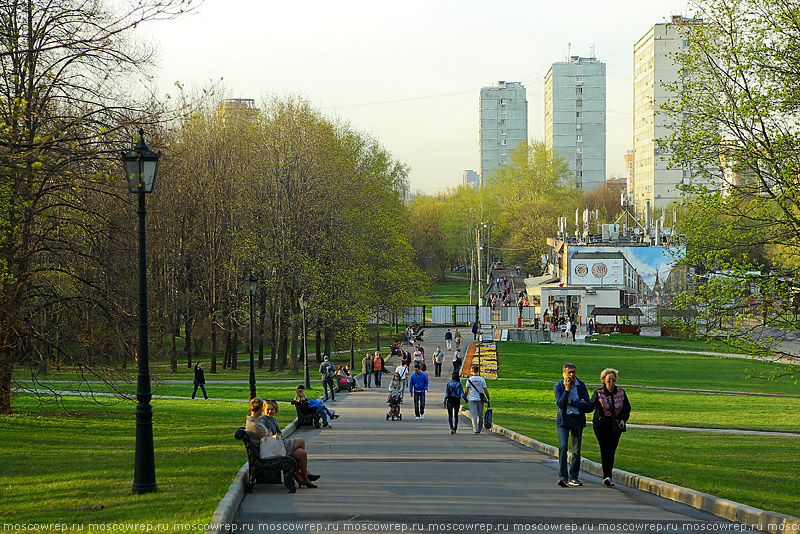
(303, 302)
(141, 165)
(251, 286)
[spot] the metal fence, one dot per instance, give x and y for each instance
(412, 313)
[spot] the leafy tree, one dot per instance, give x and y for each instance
(64, 106)
(735, 121)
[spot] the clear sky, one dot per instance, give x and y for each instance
(408, 73)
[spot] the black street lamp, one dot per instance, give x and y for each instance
(141, 164)
(251, 285)
(303, 301)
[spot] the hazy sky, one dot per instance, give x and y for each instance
(408, 73)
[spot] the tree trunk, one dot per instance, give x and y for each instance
(318, 342)
(187, 347)
(282, 354)
(327, 344)
(213, 348)
(235, 349)
(293, 359)
(6, 368)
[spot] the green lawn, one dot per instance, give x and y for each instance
(672, 343)
(454, 290)
(641, 367)
(78, 467)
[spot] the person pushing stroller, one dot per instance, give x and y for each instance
(395, 398)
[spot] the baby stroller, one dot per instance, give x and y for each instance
(394, 401)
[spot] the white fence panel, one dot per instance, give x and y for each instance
(441, 314)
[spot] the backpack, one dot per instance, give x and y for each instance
(330, 372)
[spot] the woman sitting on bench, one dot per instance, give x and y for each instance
(346, 379)
(261, 425)
(313, 404)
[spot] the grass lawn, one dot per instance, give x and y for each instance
(62, 468)
(673, 343)
(454, 290)
(641, 367)
(282, 392)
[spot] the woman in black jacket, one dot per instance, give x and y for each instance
(199, 380)
(611, 411)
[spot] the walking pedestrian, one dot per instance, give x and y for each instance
(453, 394)
(457, 362)
(590, 326)
(199, 380)
(402, 372)
(475, 327)
(477, 394)
(327, 373)
(377, 368)
(438, 358)
(419, 356)
(459, 339)
(448, 339)
(418, 385)
(574, 330)
(611, 412)
(366, 368)
(572, 399)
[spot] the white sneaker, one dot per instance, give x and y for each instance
(422, 417)
(417, 418)
(607, 482)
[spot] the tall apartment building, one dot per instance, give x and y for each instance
(575, 117)
(654, 66)
(504, 123)
(471, 179)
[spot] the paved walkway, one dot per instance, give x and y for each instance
(414, 476)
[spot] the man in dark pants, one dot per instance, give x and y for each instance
(327, 371)
(418, 385)
(572, 399)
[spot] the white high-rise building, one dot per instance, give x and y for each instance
(575, 117)
(504, 123)
(470, 178)
(654, 66)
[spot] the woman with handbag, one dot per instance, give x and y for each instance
(611, 412)
(266, 429)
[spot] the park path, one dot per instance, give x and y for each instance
(414, 476)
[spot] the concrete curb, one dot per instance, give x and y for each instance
(763, 520)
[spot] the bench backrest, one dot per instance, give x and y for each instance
(253, 453)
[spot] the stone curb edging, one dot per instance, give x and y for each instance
(763, 520)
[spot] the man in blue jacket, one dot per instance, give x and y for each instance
(418, 385)
(572, 399)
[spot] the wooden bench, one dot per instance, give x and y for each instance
(307, 418)
(268, 470)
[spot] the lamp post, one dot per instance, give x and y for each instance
(141, 164)
(251, 285)
(303, 301)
